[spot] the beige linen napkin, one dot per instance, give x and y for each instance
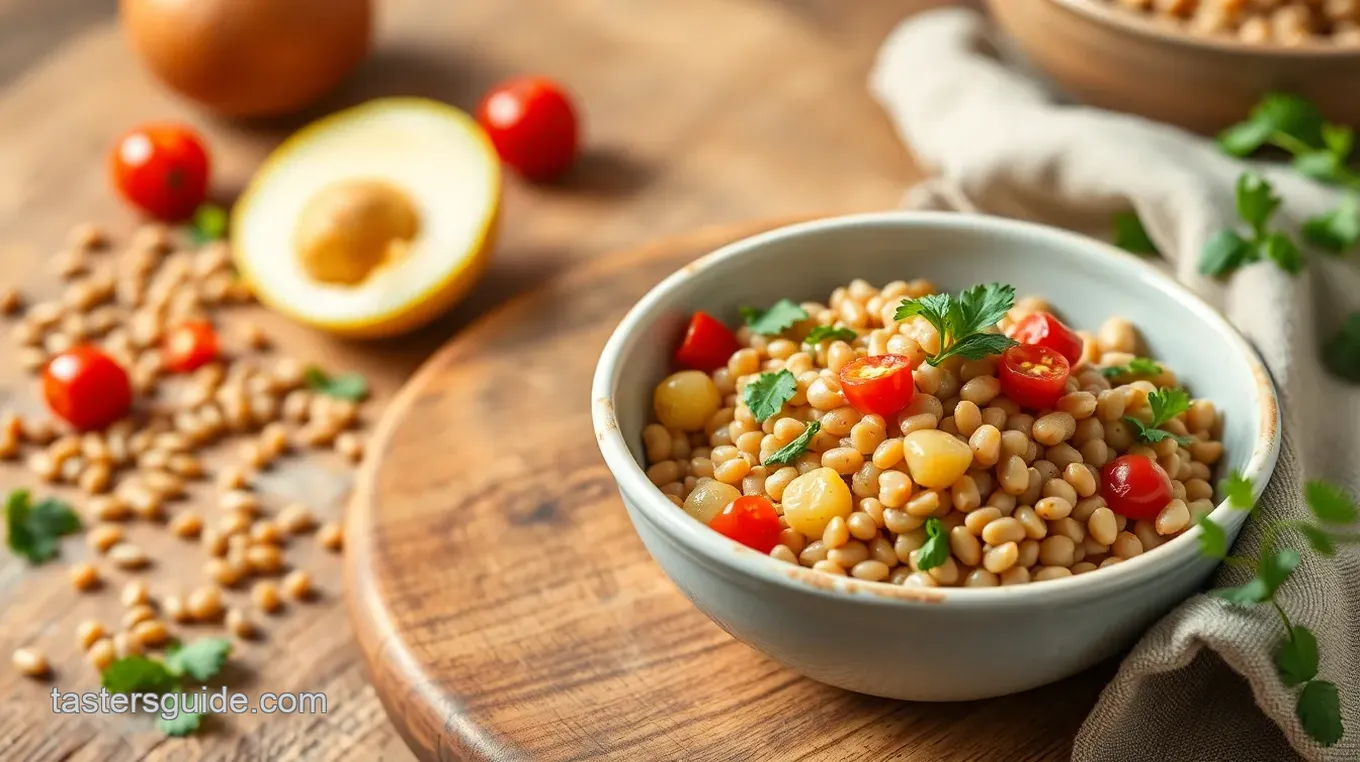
(1201, 684)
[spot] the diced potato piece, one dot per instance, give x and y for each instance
(686, 400)
(709, 498)
(812, 500)
(936, 459)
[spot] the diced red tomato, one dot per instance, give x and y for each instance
(86, 388)
(751, 521)
(1044, 330)
(881, 384)
(707, 344)
(1134, 486)
(190, 346)
(1033, 376)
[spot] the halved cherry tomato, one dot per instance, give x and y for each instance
(1134, 486)
(1033, 376)
(161, 169)
(751, 521)
(190, 346)
(881, 384)
(707, 344)
(86, 387)
(1044, 330)
(532, 123)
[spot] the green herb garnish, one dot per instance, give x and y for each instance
(1130, 235)
(209, 224)
(786, 454)
(935, 551)
(1165, 404)
(1335, 230)
(1280, 119)
(34, 529)
(344, 386)
(961, 321)
(184, 724)
(1318, 705)
(1341, 354)
(768, 393)
(778, 318)
(823, 332)
(1138, 366)
(201, 660)
(1228, 250)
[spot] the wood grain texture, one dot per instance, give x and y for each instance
(509, 612)
(698, 112)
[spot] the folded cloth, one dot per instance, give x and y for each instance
(1201, 684)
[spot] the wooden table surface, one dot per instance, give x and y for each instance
(697, 112)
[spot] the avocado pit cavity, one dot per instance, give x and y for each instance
(351, 228)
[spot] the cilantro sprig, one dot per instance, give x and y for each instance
(771, 322)
(962, 321)
(1318, 705)
(1228, 249)
(1342, 351)
(823, 332)
(1165, 404)
(790, 452)
(767, 394)
(35, 529)
(1130, 235)
(343, 386)
(1138, 366)
(935, 551)
(201, 660)
(209, 223)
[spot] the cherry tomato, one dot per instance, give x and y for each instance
(1134, 486)
(86, 387)
(161, 169)
(1033, 376)
(707, 344)
(532, 123)
(751, 521)
(1044, 330)
(881, 384)
(190, 346)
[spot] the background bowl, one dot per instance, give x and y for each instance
(1110, 57)
(932, 644)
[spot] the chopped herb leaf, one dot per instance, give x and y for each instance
(1297, 659)
(1319, 712)
(1280, 249)
(1238, 489)
(1342, 352)
(201, 659)
(823, 332)
(345, 386)
(789, 452)
(1213, 541)
(1337, 229)
(209, 224)
(1165, 404)
(961, 321)
(1138, 366)
(1278, 115)
(184, 723)
(935, 551)
(1330, 503)
(1130, 235)
(1256, 200)
(1224, 252)
(767, 394)
(1318, 538)
(34, 529)
(137, 674)
(778, 318)
(1275, 567)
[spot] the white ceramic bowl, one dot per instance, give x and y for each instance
(927, 644)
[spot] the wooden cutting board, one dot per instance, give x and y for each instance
(508, 612)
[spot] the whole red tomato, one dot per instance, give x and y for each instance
(190, 346)
(1135, 486)
(162, 169)
(86, 388)
(533, 125)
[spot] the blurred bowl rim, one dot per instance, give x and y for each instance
(707, 546)
(1106, 12)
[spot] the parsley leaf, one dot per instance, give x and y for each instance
(1320, 541)
(1279, 117)
(209, 224)
(185, 723)
(345, 386)
(1281, 249)
(1319, 712)
(1165, 404)
(1138, 366)
(1337, 229)
(786, 454)
(1274, 569)
(1238, 489)
(1256, 200)
(768, 393)
(1152, 434)
(1342, 352)
(778, 318)
(935, 551)
(34, 529)
(1330, 503)
(1224, 252)
(201, 659)
(1297, 659)
(137, 674)
(823, 332)
(1213, 541)
(1130, 235)
(961, 321)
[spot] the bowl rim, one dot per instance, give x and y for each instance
(1106, 13)
(720, 552)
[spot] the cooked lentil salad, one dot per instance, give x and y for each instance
(914, 437)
